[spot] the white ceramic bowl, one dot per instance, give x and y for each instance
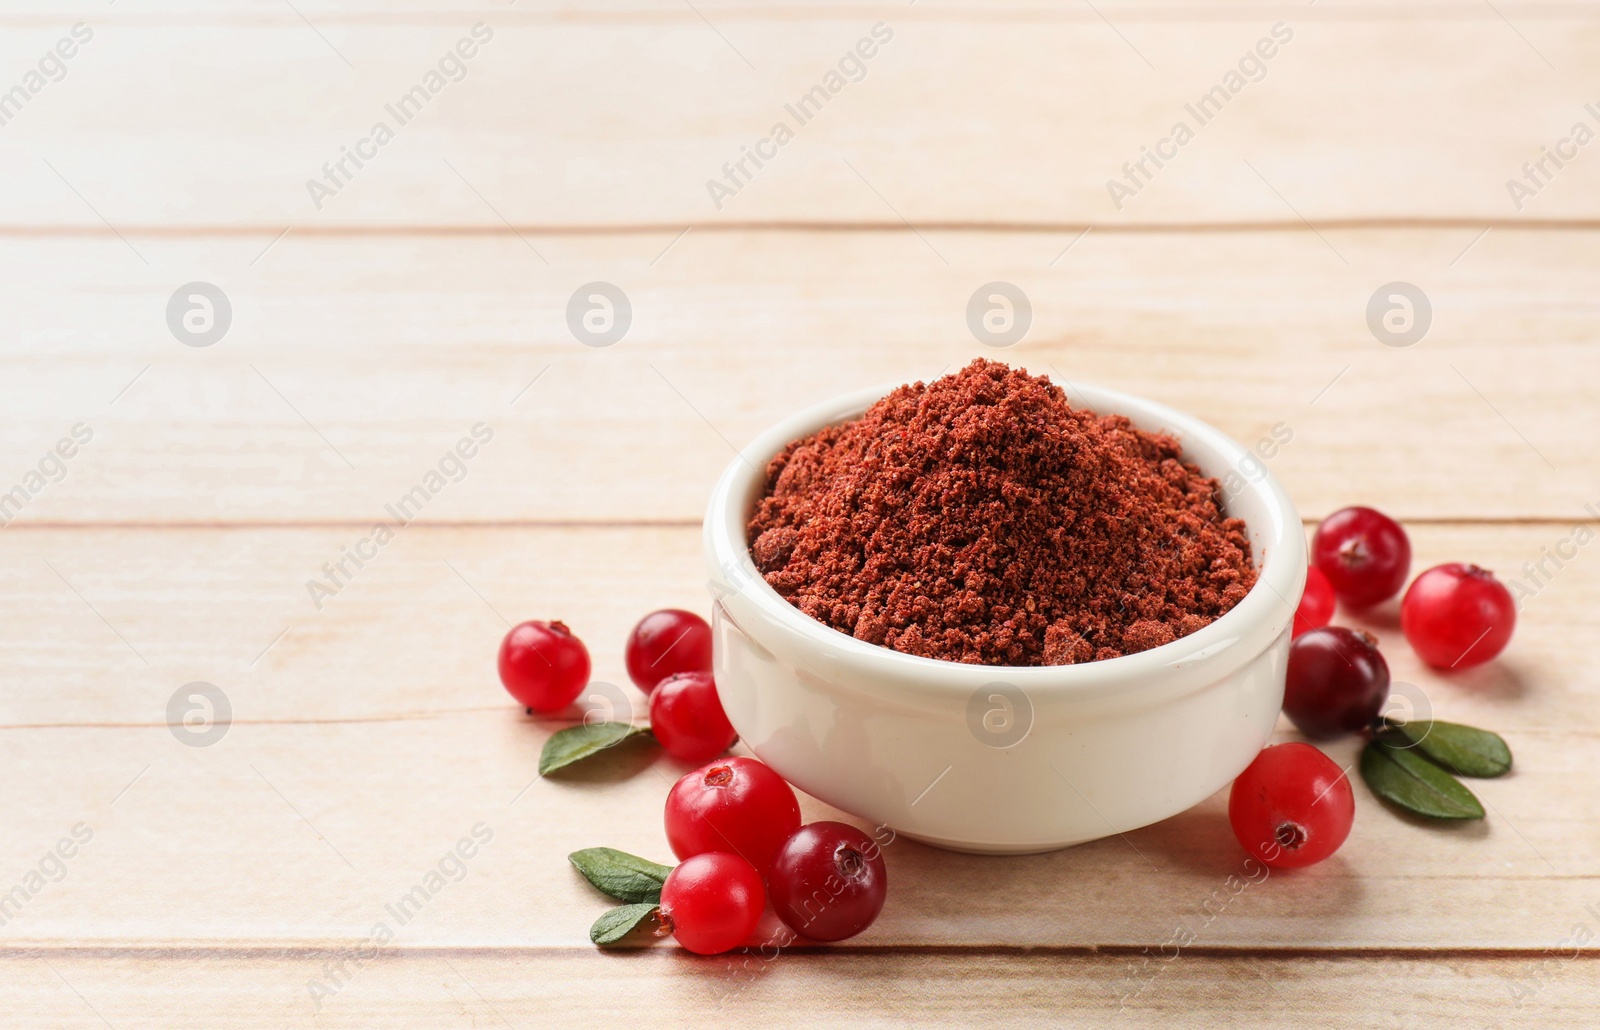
(1005, 759)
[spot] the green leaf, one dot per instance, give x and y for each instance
(1401, 776)
(618, 923)
(579, 742)
(623, 876)
(1463, 750)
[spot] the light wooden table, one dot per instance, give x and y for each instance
(429, 294)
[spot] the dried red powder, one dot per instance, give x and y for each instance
(981, 519)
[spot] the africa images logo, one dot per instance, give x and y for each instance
(450, 68)
(1252, 67)
(852, 67)
(1538, 174)
(451, 468)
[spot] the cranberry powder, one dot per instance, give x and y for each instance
(981, 519)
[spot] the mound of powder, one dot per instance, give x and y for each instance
(982, 519)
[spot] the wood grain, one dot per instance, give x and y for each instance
(368, 734)
(353, 365)
(372, 735)
(246, 12)
(622, 121)
(858, 989)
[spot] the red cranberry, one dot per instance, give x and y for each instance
(667, 642)
(1364, 553)
(828, 881)
(735, 804)
(543, 665)
(1337, 681)
(687, 717)
(1316, 602)
(1457, 616)
(1292, 807)
(712, 902)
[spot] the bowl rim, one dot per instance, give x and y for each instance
(1227, 643)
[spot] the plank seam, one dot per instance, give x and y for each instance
(607, 524)
(781, 226)
(1148, 14)
(332, 721)
(1227, 952)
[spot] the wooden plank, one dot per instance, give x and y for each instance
(372, 735)
(623, 120)
(353, 365)
(191, 12)
(855, 988)
(368, 735)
